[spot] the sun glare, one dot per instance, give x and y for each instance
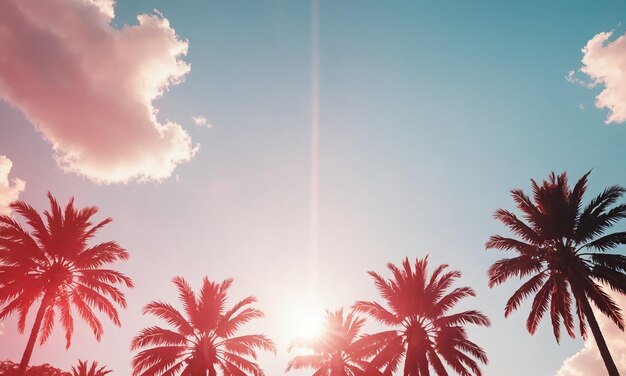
(304, 320)
(308, 327)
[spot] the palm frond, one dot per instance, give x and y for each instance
(539, 306)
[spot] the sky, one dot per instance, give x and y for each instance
(193, 125)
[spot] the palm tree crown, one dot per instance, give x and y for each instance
(419, 306)
(53, 263)
(202, 341)
(83, 369)
(563, 248)
(335, 350)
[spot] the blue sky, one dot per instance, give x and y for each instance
(429, 114)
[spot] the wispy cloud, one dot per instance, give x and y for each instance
(89, 88)
(571, 77)
(604, 62)
(588, 360)
(9, 190)
(201, 121)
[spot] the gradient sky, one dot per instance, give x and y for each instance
(429, 115)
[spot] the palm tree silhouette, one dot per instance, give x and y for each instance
(335, 351)
(83, 369)
(52, 263)
(564, 249)
(202, 341)
(418, 306)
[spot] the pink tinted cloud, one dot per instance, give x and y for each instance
(604, 62)
(9, 190)
(588, 360)
(89, 87)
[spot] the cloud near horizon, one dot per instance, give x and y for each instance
(604, 61)
(588, 360)
(89, 88)
(9, 191)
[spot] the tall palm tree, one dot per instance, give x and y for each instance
(83, 369)
(203, 341)
(563, 248)
(52, 263)
(425, 332)
(335, 351)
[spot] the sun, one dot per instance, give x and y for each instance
(304, 320)
(308, 327)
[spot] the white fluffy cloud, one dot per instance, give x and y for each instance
(89, 87)
(588, 360)
(604, 61)
(9, 190)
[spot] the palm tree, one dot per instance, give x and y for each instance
(562, 248)
(83, 369)
(203, 340)
(426, 332)
(335, 350)
(52, 263)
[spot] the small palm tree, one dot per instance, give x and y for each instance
(563, 248)
(53, 264)
(83, 369)
(335, 350)
(427, 333)
(204, 340)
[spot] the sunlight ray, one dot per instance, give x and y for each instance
(314, 199)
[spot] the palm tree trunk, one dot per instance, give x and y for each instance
(21, 371)
(335, 371)
(423, 364)
(411, 362)
(597, 335)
